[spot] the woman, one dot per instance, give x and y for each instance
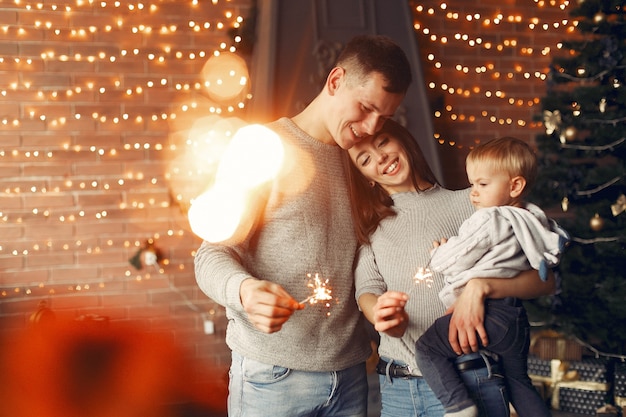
(399, 211)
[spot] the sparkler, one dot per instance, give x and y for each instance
(423, 275)
(321, 290)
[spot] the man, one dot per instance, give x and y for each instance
(289, 360)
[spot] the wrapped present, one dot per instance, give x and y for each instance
(607, 410)
(619, 383)
(538, 366)
(549, 344)
(592, 369)
(582, 397)
(552, 372)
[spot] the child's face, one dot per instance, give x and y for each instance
(490, 188)
(382, 159)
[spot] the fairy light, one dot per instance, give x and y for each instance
(89, 146)
(464, 81)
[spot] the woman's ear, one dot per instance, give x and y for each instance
(334, 79)
(517, 186)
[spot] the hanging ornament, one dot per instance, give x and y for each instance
(596, 223)
(569, 134)
(576, 109)
(147, 255)
(602, 105)
(619, 206)
(565, 204)
(581, 72)
(616, 83)
(551, 120)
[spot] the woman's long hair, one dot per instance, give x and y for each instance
(370, 204)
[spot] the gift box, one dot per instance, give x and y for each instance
(607, 410)
(582, 397)
(619, 382)
(549, 344)
(592, 369)
(538, 366)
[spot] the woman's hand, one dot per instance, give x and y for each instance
(386, 312)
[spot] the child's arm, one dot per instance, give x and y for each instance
(466, 323)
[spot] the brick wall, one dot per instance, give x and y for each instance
(94, 100)
(484, 65)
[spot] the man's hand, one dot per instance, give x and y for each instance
(466, 323)
(267, 304)
(389, 314)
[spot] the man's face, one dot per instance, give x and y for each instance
(361, 109)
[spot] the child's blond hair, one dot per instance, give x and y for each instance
(510, 155)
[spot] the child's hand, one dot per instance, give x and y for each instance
(436, 244)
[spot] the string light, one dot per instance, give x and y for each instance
(100, 97)
(509, 61)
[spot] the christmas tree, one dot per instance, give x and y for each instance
(582, 180)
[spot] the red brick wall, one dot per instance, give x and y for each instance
(91, 103)
(484, 64)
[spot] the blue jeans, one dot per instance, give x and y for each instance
(412, 397)
(257, 389)
(486, 387)
(508, 330)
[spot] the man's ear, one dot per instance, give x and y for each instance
(334, 79)
(517, 186)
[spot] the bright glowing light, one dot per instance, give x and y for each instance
(226, 77)
(216, 214)
(321, 290)
(252, 158)
(423, 275)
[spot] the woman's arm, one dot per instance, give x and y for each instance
(386, 312)
(469, 310)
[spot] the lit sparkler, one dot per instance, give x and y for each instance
(321, 290)
(423, 275)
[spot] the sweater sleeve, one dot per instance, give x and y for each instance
(368, 279)
(461, 252)
(219, 268)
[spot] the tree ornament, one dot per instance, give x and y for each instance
(565, 204)
(551, 120)
(619, 206)
(596, 223)
(602, 105)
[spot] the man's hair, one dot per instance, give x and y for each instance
(508, 154)
(365, 54)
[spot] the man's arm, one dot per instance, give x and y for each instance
(469, 311)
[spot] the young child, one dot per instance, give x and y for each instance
(503, 237)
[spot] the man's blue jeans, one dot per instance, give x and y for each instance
(257, 389)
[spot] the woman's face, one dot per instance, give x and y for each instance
(382, 159)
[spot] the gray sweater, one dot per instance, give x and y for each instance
(304, 227)
(399, 247)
